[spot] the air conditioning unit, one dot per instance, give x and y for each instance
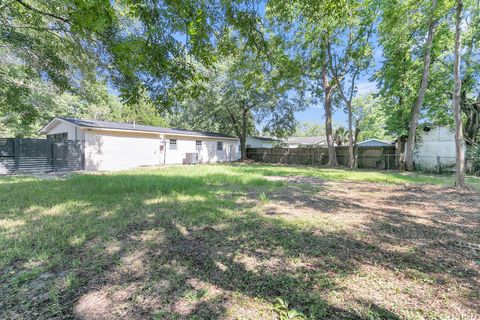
(191, 158)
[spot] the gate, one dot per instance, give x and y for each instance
(40, 155)
(68, 155)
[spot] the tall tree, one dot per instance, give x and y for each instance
(459, 142)
(349, 56)
(423, 87)
(328, 86)
(27, 101)
(238, 94)
(470, 86)
(312, 29)
(402, 32)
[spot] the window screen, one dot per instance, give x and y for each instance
(173, 144)
(58, 137)
(219, 145)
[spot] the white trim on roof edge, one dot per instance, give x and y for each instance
(382, 141)
(45, 128)
(154, 132)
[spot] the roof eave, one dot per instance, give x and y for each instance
(155, 132)
(50, 123)
(45, 129)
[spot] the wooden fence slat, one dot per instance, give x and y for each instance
(40, 155)
(367, 157)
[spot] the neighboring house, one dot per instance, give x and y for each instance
(295, 142)
(117, 146)
(261, 142)
(434, 145)
(374, 143)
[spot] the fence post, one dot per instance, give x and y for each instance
(49, 147)
(439, 169)
(16, 153)
(54, 162)
(82, 145)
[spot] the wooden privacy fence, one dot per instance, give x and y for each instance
(377, 158)
(366, 157)
(40, 155)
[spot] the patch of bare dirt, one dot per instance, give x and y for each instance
(424, 240)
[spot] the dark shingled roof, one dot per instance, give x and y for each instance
(138, 127)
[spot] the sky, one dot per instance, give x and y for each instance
(315, 113)
(365, 86)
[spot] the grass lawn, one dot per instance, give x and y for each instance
(242, 241)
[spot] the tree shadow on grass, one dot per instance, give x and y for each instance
(140, 246)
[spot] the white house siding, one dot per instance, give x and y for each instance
(74, 133)
(208, 152)
(436, 144)
(110, 151)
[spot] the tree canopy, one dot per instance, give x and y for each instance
(239, 94)
(185, 61)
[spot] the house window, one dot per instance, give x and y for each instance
(58, 137)
(198, 145)
(219, 146)
(173, 144)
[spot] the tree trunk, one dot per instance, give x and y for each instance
(351, 154)
(243, 136)
(400, 152)
(327, 89)
(421, 93)
(355, 139)
(332, 156)
(459, 146)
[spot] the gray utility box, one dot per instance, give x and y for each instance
(191, 158)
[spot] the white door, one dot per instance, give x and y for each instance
(162, 153)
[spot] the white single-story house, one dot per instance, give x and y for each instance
(374, 143)
(434, 145)
(295, 142)
(261, 142)
(116, 146)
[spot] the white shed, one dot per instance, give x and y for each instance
(435, 145)
(118, 146)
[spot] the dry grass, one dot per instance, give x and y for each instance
(415, 248)
(217, 242)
